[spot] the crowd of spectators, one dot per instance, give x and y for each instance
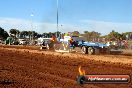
(124, 44)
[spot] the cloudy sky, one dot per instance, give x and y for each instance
(74, 15)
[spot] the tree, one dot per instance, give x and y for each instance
(3, 34)
(39, 35)
(34, 34)
(86, 34)
(91, 36)
(23, 34)
(58, 33)
(29, 34)
(18, 33)
(15, 32)
(50, 34)
(95, 36)
(114, 36)
(44, 35)
(75, 33)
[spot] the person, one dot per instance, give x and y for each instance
(76, 43)
(71, 42)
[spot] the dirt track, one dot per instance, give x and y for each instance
(36, 69)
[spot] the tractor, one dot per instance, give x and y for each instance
(11, 41)
(75, 44)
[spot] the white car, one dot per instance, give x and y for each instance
(22, 41)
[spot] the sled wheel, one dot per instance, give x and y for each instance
(84, 50)
(90, 51)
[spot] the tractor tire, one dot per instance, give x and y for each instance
(47, 46)
(90, 51)
(56, 46)
(84, 50)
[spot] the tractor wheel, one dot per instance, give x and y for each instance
(47, 46)
(90, 51)
(56, 46)
(84, 50)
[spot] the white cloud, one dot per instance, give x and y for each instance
(9, 23)
(84, 25)
(21, 24)
(106, 27)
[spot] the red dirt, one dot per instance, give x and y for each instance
(21, 67)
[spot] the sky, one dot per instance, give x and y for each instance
(101, 16)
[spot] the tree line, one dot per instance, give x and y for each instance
(89, 35)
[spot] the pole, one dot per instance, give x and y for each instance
(31, 28)
(57, 20)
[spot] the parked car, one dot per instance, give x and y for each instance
(22, 41)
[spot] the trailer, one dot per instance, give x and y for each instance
(98, 48)
(91, 48)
